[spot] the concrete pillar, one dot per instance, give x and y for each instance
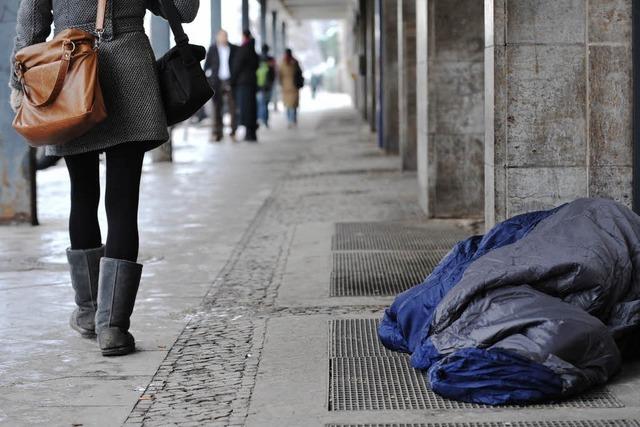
(283, 38)
(423, 39)
(160, 35)
(269, 29)
(370, 55)
(263, 23)
(377, 47)
(216, 18)
(160, 42)
(454, 90)
(361, 60)
(276, 48)
(389, 75)
(346, 83)
(17, 161)
(407, 101)
(558, 103)
(245, 15)
(274, 34)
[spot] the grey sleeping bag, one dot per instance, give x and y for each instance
(566, 297)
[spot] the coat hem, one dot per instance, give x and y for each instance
(150, 141)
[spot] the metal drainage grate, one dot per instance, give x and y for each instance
(393, 236)
(576, 423)
(390, 383)
(356, 338)
(366, 376)
(375, 383)
(380, 273)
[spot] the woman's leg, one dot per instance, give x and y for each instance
(261, 110)
(266, 101)
(119, 272)
(124, 167)
(84, 173)
(86, 242)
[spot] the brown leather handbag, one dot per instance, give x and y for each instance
(62, 95)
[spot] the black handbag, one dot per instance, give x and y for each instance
(183, 84)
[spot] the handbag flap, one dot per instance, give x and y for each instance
(39, 81)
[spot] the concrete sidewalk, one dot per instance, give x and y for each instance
(266, 269)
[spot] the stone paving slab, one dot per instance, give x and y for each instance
(291, 385)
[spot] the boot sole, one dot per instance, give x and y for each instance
(118, 351)
(84, 333)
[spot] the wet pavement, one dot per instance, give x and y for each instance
(192, 214)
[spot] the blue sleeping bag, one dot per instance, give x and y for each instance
(527, 300)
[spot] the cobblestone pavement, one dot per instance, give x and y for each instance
(209, 373)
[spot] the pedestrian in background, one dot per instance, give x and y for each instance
(105, 278)
(244, 79)
(217, 65)
(316, 82)
(291, 81)
(266, 76)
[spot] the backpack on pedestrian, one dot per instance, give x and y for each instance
(265, 74)
(298, 78)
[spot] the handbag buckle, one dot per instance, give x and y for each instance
(96, 44)
(66, 52)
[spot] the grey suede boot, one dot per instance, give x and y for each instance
(117, 289)
(84, 265)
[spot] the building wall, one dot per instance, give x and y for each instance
(371, 60)
(407, 101)
(422, 108)
(558, 103)
(354, 36)
(390, 77)
(453, 142)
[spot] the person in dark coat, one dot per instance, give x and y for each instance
(105, 278)
(244, 80)
(217, 66)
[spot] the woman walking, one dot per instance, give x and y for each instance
(106, 277)
(290, 81)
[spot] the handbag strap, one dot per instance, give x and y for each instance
(171, 12)
(63, 69)
(180, 37)
(102, 7)
(100, 14)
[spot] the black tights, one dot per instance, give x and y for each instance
(124, 166)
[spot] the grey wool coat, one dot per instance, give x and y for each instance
(127, 71)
